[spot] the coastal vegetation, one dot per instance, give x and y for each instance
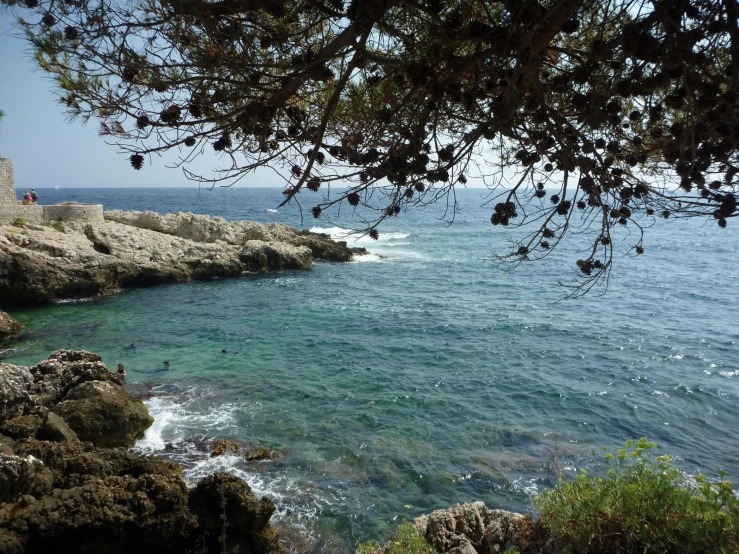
(641, 504)
(582, 115)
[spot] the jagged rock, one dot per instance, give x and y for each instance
(249, 452)
(15, 384)
(64, 370)
(21, 427)
(105, 414)
(473, 528)
(144, 248)
(56, 429)
(247, 517)
(9, 327)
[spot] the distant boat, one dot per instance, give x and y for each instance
(56, 187)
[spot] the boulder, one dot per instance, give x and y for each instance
(247, 517)
(250, 452)
(103, 413)
(261, 256)
(64, 370)
(15, 386)
(9, 327)
(56, 429)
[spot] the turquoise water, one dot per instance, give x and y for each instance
(427, 377)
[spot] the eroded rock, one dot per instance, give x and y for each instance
(9, 327)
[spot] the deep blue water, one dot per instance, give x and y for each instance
(425, 378)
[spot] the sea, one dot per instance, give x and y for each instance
(422, 374)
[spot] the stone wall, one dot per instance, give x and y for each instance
(44, 215)
(7, 188)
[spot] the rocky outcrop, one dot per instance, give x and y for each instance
(39, 264)
(60, 493)
(9, 327)
(249, 452)
(475, 529)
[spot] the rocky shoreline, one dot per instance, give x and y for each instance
(68, 481)
(41, 263)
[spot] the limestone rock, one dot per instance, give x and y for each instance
(249, 452)
(105, 414)
(473, 528)
(9, 327)
(15, 384)
(146, 248)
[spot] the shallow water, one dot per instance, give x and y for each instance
(420, 375)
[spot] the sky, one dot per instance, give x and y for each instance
(48, 151)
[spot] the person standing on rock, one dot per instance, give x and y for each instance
(26, 197)
(34, 196)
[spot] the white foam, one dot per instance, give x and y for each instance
(174, 414)
(339, 233)
(361, 258)
(270, 210)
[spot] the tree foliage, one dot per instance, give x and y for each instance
(581, 115)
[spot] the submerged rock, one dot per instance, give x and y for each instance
(146, 248)
(9, 327)
(249, 452)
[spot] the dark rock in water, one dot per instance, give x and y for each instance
(56, 429)
(247, 517)
(105, 414)
(249, 452)
(324, 248)
(21, 427)
(62, 494)
(9, 327)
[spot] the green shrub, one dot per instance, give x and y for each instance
(58, 225)
(20, 222)
(406, 540)
(644, 505)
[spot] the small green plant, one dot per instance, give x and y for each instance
(643, 504)
(20, 222)
(58, 226)
(405, 540)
